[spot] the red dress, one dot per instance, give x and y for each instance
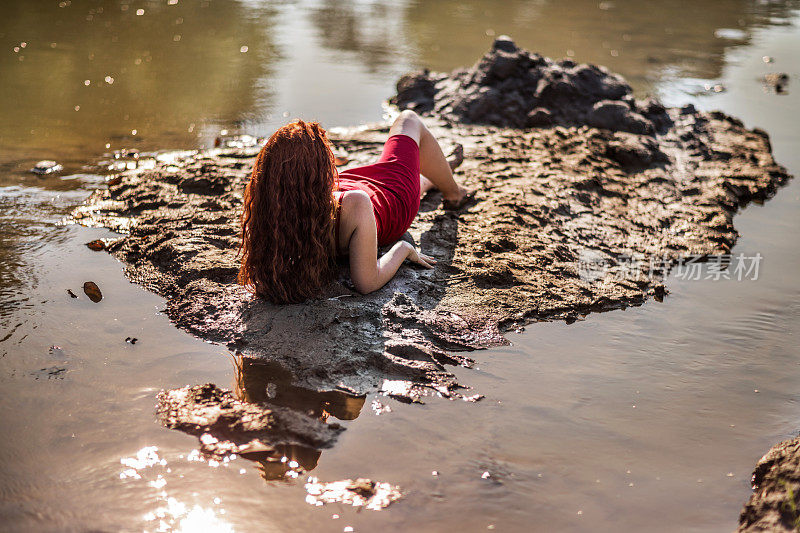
(392, 185)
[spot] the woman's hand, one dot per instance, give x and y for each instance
(415, 256)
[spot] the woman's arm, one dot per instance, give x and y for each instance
(367, 272)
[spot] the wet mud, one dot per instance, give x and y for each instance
(585, 197)
(775, 503)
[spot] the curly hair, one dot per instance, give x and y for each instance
(288, 223)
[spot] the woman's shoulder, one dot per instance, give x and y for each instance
(355, 209)
(354, 200)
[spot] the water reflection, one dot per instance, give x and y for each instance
(666, 39)
(362, 27)
(145, 72)
(264, 382)
(158, 74)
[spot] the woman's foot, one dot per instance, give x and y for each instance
(457, 202)
(456, 157)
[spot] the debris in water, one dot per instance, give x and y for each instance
(361, 492)
(71, 294)
(716, 88)
(56, 351)
(777, 81)
(97, 245)
(131, 340)
(46, 167)
(91, 290)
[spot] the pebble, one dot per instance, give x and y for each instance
(46, 167)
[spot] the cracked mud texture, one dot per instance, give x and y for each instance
(775, 503)
(548, 200)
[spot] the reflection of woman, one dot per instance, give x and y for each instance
(267, 382)
(299, 214)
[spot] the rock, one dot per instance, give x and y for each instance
(775, 503)
(504, 43)
(96, 245)
(618, 116)
(539, 116)
(91, 290)
(416, 91)
(635, 152)
(512, 87)
(46, 167)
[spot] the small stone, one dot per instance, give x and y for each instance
(504, 43)
(46, 167)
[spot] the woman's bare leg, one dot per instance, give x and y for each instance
(425, 185)
(432, 162)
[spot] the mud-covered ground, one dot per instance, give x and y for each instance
(775, 503)
(580, 206)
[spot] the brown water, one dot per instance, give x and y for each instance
(558, 432)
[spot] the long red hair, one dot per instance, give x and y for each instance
(288, 223)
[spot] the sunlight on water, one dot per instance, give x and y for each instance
(171, 515)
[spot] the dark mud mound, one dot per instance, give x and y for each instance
(775, 503)
(566, 220)
(515, 88)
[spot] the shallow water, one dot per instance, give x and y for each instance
(644, 419)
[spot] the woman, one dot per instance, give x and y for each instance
(300, 214)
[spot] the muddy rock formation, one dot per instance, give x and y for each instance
(516, 88)
(775, 503)
(585, 214)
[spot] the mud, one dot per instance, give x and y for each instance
(775, 503)
(585, 214)
(516, 88)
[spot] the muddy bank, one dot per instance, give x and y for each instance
(583, 212)
(775, 503)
